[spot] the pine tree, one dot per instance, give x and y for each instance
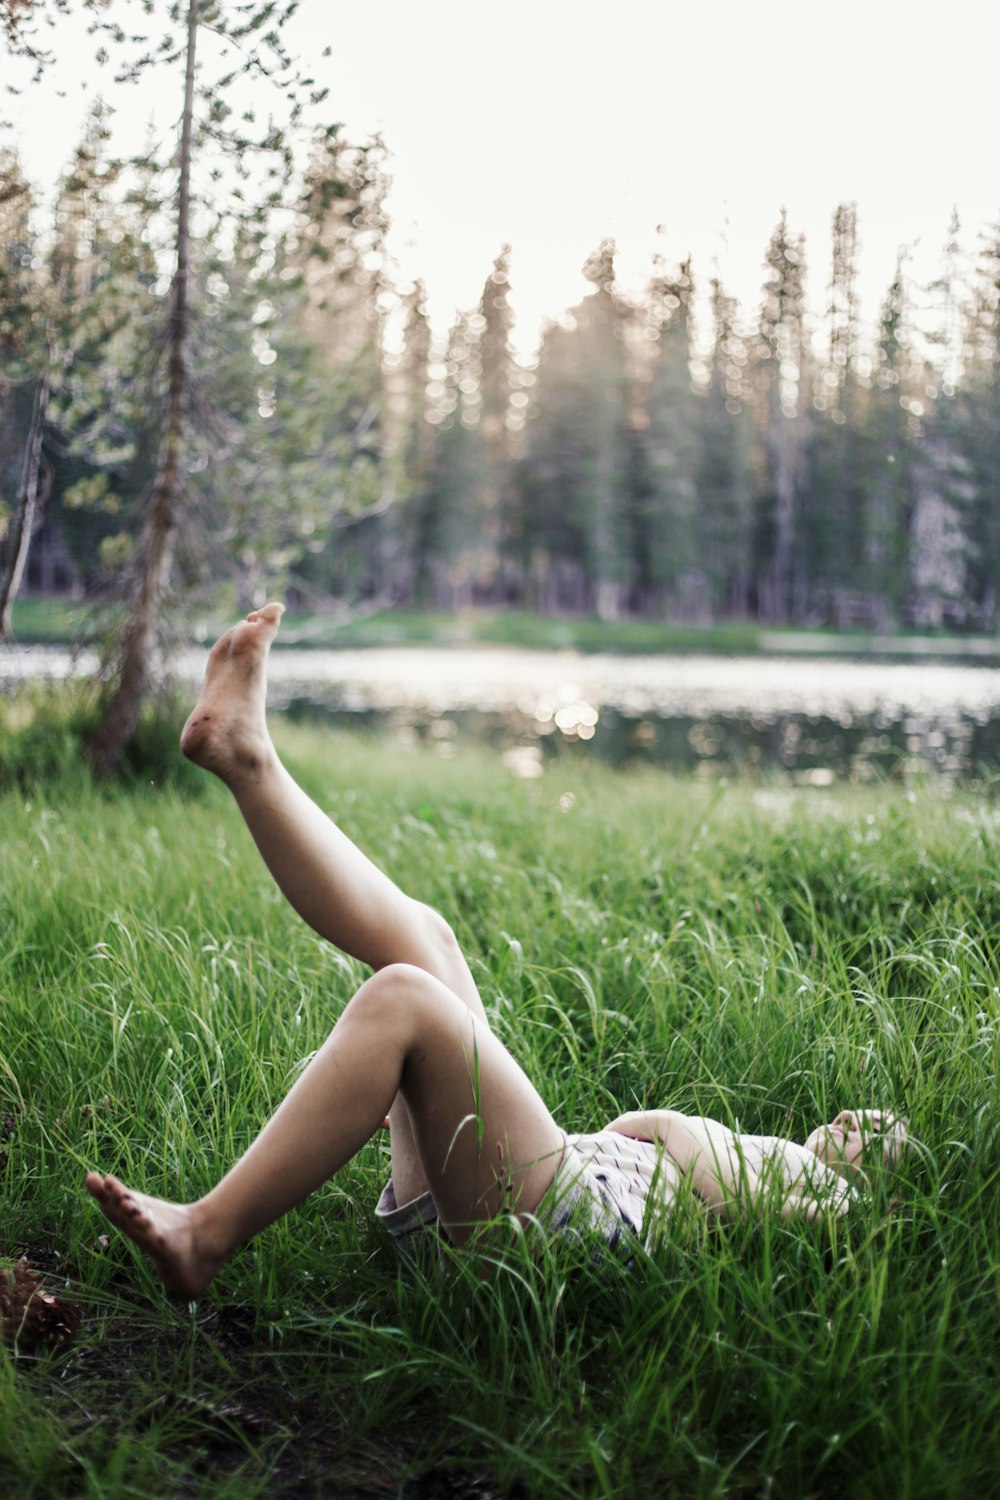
(108, 389)
(939, 548)
(978, 438)
(337, 257)
(667, 551)
(26, 358)
(781, 377)
(575, 473)
(464, 526)
(452, 554)
(418, 445)
(894, 436)
(835, 494)
(723, 479)
(154, 554)
(81, 319)
(498, 379)
(207, 125)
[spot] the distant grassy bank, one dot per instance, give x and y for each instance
(39, 621)
(762, 956)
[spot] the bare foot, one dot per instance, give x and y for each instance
(167, 1232)
(226, 731)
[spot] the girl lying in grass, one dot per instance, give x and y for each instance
(471, 1140)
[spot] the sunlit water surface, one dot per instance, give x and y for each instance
(815, 720)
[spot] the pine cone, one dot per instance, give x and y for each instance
(31, 1317)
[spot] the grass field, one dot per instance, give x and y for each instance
(762, 955)
(53, 620)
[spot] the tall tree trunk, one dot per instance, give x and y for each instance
(157, 542)
(780, 572)
(26, 505)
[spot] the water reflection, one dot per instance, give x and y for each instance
(810, 750)
(815, 720)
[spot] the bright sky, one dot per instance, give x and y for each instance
(553, 123)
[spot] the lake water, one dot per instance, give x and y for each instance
(813, 720)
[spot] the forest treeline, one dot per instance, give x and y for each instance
(776, 466)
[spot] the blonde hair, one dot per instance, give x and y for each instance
(891, 1130)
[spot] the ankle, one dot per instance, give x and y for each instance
(211, 1238)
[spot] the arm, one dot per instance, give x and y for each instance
(805, 1204)
(713, 1157)
(718, 1175)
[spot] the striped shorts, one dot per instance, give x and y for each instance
(605, 1184)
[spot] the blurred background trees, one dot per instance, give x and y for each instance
(665, 453)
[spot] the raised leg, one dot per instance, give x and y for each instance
(486, 1141)
(327, 879)
(331, 884)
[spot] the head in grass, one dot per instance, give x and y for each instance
(859, 1140)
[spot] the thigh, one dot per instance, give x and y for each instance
(408, 1177)
(485, 1138)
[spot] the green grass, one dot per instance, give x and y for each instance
(50, 620)
(764, 956)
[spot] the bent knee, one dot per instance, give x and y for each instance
(407, 1004)
(438, 934)
(399, 988)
